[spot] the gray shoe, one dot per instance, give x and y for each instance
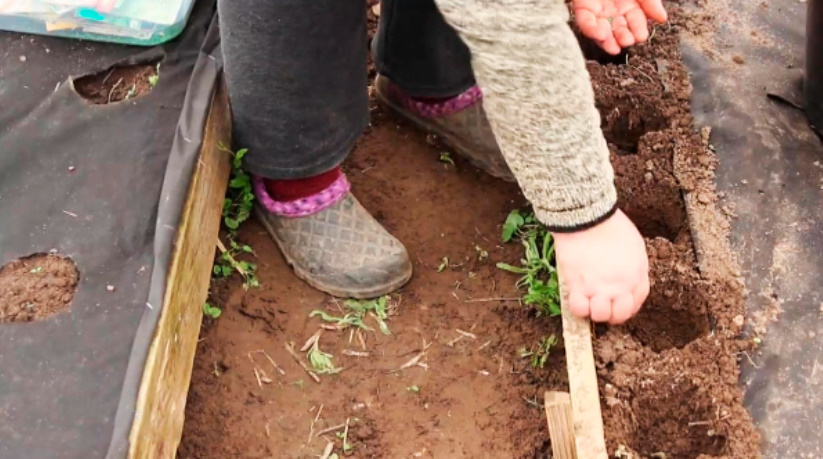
(341, 250)
(467, 132)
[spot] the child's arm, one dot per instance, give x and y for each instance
(540, 103)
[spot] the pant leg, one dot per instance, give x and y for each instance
(296, 75)
(419, 51)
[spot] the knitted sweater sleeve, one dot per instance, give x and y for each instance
(540, 103)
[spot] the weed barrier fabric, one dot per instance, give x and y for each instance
(747, 77)
(104, 185)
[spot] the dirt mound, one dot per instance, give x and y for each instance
(36, 287)
(668, 378)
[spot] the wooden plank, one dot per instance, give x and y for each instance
(585, 395)
(558, 407)
(158, 422)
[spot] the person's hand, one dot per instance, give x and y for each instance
(605, 270)
(616, 24)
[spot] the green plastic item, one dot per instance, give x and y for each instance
(131, 22)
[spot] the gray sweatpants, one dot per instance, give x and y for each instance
(296, 74)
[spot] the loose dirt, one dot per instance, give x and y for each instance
(36, 287)
(668, 379)
(118, 83)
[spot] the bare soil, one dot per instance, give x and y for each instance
(36, 287)
(668, 379)
(117, 84)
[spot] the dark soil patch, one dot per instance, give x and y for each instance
(36, 287)
(668, 378)
(118, 83)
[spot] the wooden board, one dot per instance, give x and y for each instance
(558, 406)
(158, 421)
(585, 395)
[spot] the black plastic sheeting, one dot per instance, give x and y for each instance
(68, 385)
(771, 170)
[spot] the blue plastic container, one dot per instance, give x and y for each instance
(133, 22)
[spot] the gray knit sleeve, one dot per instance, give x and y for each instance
(540, 103)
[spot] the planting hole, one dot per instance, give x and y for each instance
(676, 421)
(675, 312)
(649, 193)
(118, 83)
(36, 287)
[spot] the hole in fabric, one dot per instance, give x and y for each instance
(36, 287)
(119, 83)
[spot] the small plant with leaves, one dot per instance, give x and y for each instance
(539, 275)
(446, 158)
(359, 309)
(237, 209)
(154, 79)
(321, 361)
(540, 354)
(239, 200)
(211, 311)
(228, 263)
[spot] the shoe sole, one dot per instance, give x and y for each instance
(306, 277)
(453, 142)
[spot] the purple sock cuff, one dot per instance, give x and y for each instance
(440, 109)
(302, 207)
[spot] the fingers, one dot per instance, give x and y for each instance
(601, 308)
(654, 10)
(638, 25)
(578, 304)
(640, 293)
(620, 28)
(610, 45)
(591, 26)
(622, 309)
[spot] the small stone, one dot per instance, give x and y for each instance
(376, 9)
(72, 168)
(22, 58)
(649, 177)
(110, 288)
(738, 320)
(744, 182)
(650, 165)
(704, 198)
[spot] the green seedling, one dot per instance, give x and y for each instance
(132, 91)
(445, 157)
(239, 200)
(415, 389)
(36, 270)
(237, 209)
(539, 274)
(211, 311)
(515, 223)
(299, 384)
(349, 320)
(444, 263)
(154, 79)
(540, 354)
(377, 308)
(228, 263)
(321, 361)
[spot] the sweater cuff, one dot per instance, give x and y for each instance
(583, 218)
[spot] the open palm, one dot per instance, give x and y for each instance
(617, 24)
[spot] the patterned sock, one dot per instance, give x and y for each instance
(430, 107)
(290, 190)
(303, 197)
